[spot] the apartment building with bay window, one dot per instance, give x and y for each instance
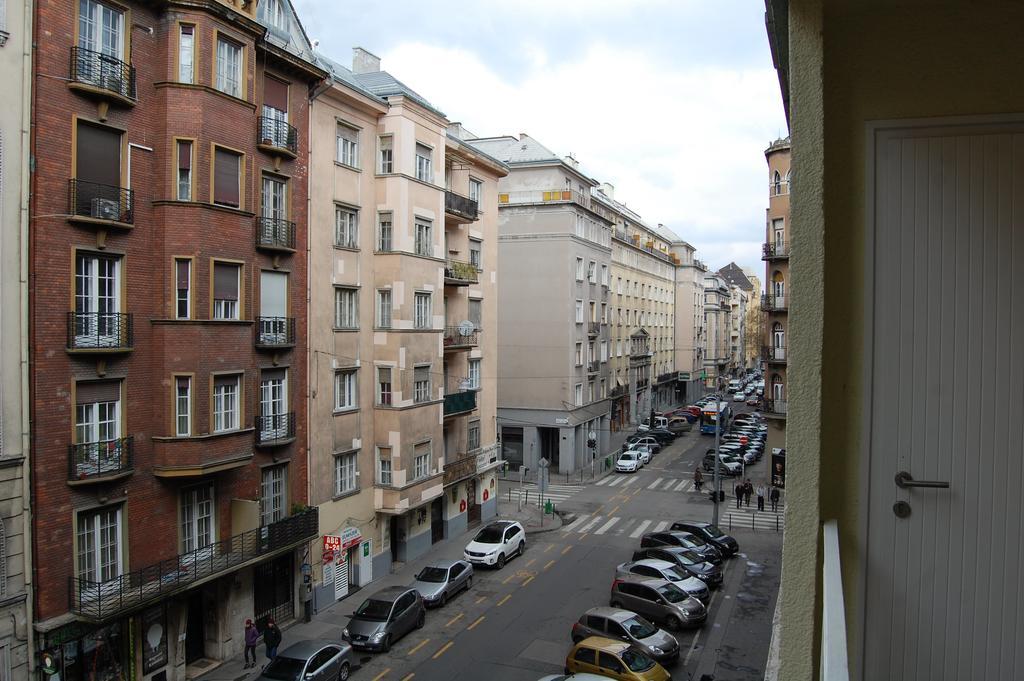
(168, 261)
(403, 306)
(775, 301)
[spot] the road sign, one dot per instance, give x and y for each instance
(744, 440)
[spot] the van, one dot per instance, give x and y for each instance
(659, 422)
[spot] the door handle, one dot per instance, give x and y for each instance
(905, 480)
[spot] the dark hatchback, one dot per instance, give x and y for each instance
(686, 559)
(709, 533)
(685, 540)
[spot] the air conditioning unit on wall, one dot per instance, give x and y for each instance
(104, 209)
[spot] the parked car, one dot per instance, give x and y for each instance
(623, 625)
(753, 401)
(644, 439)
(659, 422)
(663, 569)
(727, 467)
(659, 600)
(629, 461)
(680, 424)
(664, 436)
(613, 659)
(582, 676)
(440, 581)
(646, 452)
(685, 540)
(385, 617)
(496, 543)
(686, 559)
(739, 397)
(311, 660)
(709, 533)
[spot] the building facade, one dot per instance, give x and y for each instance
(403, 342)
(16, 635)
(717, 331)
(553, 382)
(774, 302)
(755, 322)
(689, 323)
(167, 304)
(741, 297)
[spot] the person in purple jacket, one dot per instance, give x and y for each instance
(252, 635)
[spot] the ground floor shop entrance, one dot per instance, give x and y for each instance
(272, 590)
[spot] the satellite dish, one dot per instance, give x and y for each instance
(466, 327)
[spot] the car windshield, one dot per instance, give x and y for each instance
(689, 557)
(372, 609)
(672, 593)
(629, 456)
(675, 574)
(695, 540)
(636, 661)
(639, 628)
(432, 574)
(284, 668)
(714, 531)
(489, 535)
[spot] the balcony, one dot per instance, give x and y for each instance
(775, 251)
(459, 273)
(774, 354)
(275, 430)
(99, 332)
(460, 469)
(275, 234)
(100, 601)
(455, 339)
(461, 402)
(396, 500)
(594, 367)
(593, 329)
(667, 377)
(460, 207)
(275, 333)
(277, 138)
(773, 303)
(100, 461)
(775, 408)
(100, 204)
(102, 76)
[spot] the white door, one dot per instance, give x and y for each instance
(943, 594)
(273, 308)
(340, 576)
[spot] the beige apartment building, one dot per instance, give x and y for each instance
(403, 343)
(718, 331)
(755, 321)
(689, 322)
(16, 649)
(774, 302)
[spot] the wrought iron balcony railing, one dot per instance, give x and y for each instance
(275, 332)
(103, 72)
(774, 250)
(100, 331)
(668, 376)
(460, 273)
(460, 469)
(593, 329)
(275, 234)
(98, 460)
(773, 303)
(275, 134)
(461, 206)
(774, 353)
(460, 402)
(104, 600)
(775, 407)
(100, 201)
(275, 429)
(455, 338)
(593, 367)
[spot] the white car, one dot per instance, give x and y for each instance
(739, 397)
(645, 452)
(628, 462)
(496, 543)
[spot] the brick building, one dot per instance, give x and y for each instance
(167, 330)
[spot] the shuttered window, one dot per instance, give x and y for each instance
(421, 383)
(227, 168)
(225, 291)
(275, 93)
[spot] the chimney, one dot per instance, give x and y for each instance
(364, 61)
(608, 189)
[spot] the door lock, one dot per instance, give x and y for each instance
(905, 480)
(901, 509)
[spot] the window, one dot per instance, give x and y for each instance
(579, 269)
(225, 291)
(346, 227)
(345, 473)
(98, 447)
(591, 352)
(476, 190)
(424, 242)
(421, 459)
(474, 374)
(182, 406)
(272, 495)
(386, 157)
(476, 314)
(776, 183)
(196, 518)
(579, 354)
(384, 465)
(604, 275)
(424, 169)
(578, 394)
(348, 145)
(273, 13)
(604, 351)
(604, 313)
(186, 54)
(384, 308)
(183, 288)
(184, 179)
(579, 311)
(422, 311)
(473, 436)
(421, 384)
(592, 272)
(384, 232)
(586, 656)
(384, 386)
(99, 545)
(225, 403)
(227, 178)
(346, 308)
(475, 254)
(590, 391)
(345, 389)
(273, 419)
(580, 226)
(229, 67)
(593, 312)
(97, 301)
(604, 390)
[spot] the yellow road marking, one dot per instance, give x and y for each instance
(454, 620)
(612, 512)
(583, 536)
(509, 578)
(566, 549)
(502, 601)
(532, 560)
(443, 648)
(419, 645)
(478, 621)
(528, 580)
(481, 600)
(382, 674)
(409, 677)
(550, 563)
(548, 548)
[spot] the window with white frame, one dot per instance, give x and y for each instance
(225, 290)
(476, 190)
(590, 391)
(348, 145)
(476, 313)
(346, 224)
(98, 534)
(579, 269)
(98, 446)
(473, 436)
(581, 229)
(384, 308)
(183, 288)
(97, 301)
(591, 352)
(579, 311)
(100, 29)
(384, 386)
(384, 233)
(604, 390)
(197, 518)
(604, 313)
(578, 394)
(345, 396)
(384, 465)
(421, 384)
(421, 460)
(424, 243)
(345, 466)
(593, 311)
(229, 67)
(273, 12)
(186, 54)
(604, 275)
(273, 198)
(385, 155)
(422, 313)
(225, 402)
(592, 272)
(182, 406)
(476, 254)
(579, 354)
(184, 170)
(604, 351)
(424, 164)
(273, 495)
(346, 308)
(474, 374)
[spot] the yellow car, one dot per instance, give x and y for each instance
(614, 659)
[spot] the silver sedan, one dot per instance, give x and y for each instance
(442, 580)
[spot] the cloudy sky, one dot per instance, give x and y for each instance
(671, 101)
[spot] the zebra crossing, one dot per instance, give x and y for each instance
(634, 528)
(556, 493)
(659, 485)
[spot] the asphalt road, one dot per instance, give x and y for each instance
(514, 623)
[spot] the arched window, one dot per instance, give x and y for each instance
(778, 285)
(778, 388)
(777, 183)
(778, 335)
(789, 181)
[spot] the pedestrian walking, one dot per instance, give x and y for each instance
(760, 496)
(748, 490)
(739, 490)
(774, 496)
(252, 635)
(272, 638)
(698, 479)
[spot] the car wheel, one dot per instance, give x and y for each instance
(674, 623)
(343, 674)
(501, 561)
(423, 617)
(444, 599)
(385, 645)
(522, 547)
(469, 583)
